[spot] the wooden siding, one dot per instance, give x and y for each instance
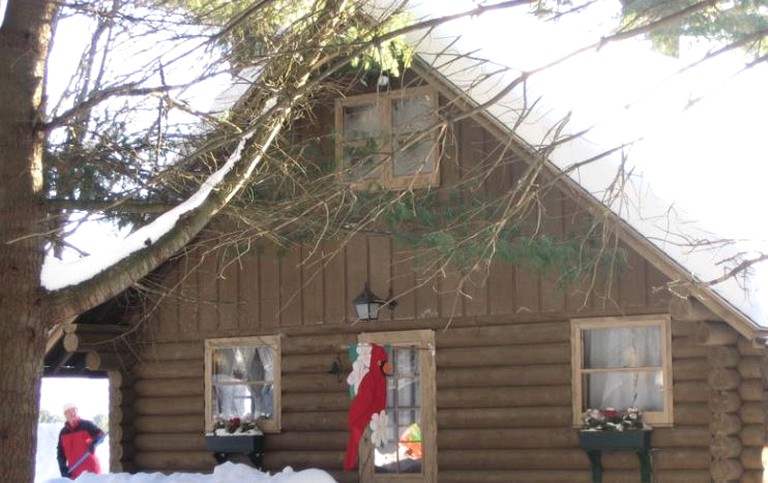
(502, 356)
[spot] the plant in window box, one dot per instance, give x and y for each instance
(613, 430)
(236, 426)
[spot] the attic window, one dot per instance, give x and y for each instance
(623, 362)
(388, 139)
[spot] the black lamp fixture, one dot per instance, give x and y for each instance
(367, 304)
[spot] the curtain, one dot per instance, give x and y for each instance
(624, 348)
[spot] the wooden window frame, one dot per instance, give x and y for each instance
(653, 418)
(387, 178)
(425, 341)
(268, 426)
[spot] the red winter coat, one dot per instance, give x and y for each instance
(371, 399)
(76, 441)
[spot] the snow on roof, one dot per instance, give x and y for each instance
(454, 50)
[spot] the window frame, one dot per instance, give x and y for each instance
(425, 341)
(653, 418)
(268, 426)
(387, 178)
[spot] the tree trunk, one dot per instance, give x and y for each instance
(24, 40)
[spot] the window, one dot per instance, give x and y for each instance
(242, 379)
(623, 362)
(410, 452)
(388, 139)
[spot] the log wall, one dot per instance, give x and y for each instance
(502, 358)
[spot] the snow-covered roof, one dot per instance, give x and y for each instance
(454, 51)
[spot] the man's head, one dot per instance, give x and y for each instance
(70, 412)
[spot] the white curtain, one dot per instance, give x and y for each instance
(625, 348)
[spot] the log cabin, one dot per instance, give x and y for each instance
(495, 367)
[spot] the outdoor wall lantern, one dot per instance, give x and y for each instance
(367, 304)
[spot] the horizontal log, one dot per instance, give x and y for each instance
(723, 356)
(107, 361)
(724, 402)
(753, 435)
(317, 344)
(682, 459)
(122, 432)
(751, 368)
(747, 348)
(94, 342)
(493, 460)
(507, 439)
(173, 351)
(689, 370)
(503, 356)
(308, 421)
(686, 348)
(726, 470)
(691, 392)
(521, 417)
(170, 369)
(690, 414)
(306, 441)
(548, 375)
(752, 413)
(752, 458)
(524, 476)
(315, 402)
(722, 379)
(187, 461)
(326, 382)
(95, 329)
(681, 436)
(543, 396)
(505, 335)
(752, 390)
(189, 386)
(170, 442)
(753, 476)
(724, 447)
(124, 397)
(168, 406)
(307, 363)
(170, 424)
(715, 333)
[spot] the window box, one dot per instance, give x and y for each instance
(630, 440)
(224, 446)
(246, 443)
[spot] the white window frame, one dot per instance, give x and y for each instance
(424, 340)
(653, 418)
(386, 177)
(268, 426)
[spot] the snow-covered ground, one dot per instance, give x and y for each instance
(47, 469)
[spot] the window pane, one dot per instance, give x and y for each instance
(622, 347)
(403, 452)
(414, 158)
(361, 122)
(411, 118)
(362, 160)
(412, 114)
(621, 390)
(242, 382)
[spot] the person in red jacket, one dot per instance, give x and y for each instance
(76, 451)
